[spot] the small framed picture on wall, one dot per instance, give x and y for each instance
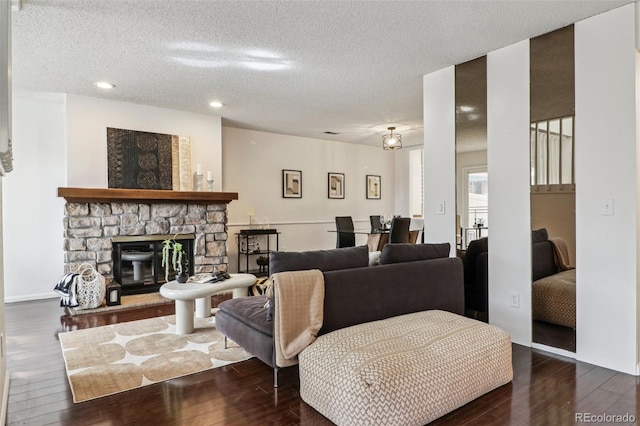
(336, 185)
(291, 184)
(374, 190)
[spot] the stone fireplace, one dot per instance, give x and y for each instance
(93, 217)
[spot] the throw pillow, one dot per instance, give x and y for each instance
(374, 258)
(260, 287)
(324, 260)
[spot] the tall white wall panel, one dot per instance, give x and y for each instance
(509, 206)
(607, 167)
(439, 157)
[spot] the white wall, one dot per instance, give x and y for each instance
(509, 205)
(606, 165)
(253, 163)
(87, 122)
(60, 140)
(33, 231)
(64, 144)
(508, 153)
(439, 156)
(606, 162)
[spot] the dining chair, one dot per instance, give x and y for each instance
(399, 232)
(376, 226)
(344, 232)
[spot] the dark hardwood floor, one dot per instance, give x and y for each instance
(546, 390)
(554, 335)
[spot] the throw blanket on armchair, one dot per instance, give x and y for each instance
(298, 312)
(561, 253)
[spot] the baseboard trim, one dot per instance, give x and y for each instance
(27, 298)
(553, 350)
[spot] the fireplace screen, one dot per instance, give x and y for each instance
(137, 261)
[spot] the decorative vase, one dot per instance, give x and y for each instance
(263, 262)
(182, 277)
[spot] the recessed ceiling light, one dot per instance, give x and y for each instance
(466, 108)
(216, 104)
(201, 63)
(105, 85)
(266, 66)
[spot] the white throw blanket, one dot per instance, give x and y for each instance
(298, 312)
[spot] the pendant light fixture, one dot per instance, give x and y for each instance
(392, 140)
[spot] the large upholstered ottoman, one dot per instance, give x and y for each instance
(405, 370)
(554, 299)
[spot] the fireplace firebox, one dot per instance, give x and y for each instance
(137, 261)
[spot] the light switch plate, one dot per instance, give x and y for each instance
(441, 207)
(606, 206)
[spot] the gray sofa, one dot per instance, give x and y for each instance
(409, 278)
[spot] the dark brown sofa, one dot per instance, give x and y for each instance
(553, 288)
(476, 276)
(543, 261)
(476, 269)
(410, 278)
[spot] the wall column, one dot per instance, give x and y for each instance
(509, 203)
(440, 157)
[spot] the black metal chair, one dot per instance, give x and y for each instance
(376, 226)
(344, 232)
(399, 232)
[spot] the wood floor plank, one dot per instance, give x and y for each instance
(547, 389)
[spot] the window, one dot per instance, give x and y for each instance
(416, 187)
(551, 144)
(478, 198)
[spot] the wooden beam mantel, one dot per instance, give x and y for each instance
(118, 195)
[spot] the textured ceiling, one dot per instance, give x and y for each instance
(292, 67)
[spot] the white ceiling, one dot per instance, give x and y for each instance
(291, 67)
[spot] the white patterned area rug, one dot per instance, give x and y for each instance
(110, 359)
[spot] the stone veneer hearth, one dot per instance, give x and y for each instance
(89, 226)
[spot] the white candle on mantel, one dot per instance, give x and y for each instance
(198, 169)
(209, 175)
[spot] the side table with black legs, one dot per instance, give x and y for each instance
(254, 247)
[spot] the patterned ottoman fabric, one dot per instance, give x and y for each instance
(554, 298)
(405, 370)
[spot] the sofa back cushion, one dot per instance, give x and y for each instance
(406, 252)
(475, 248)
(543, 262)
(324, 260)
(354, 296)
(539, 235)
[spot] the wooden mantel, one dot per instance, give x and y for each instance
(118, 195)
